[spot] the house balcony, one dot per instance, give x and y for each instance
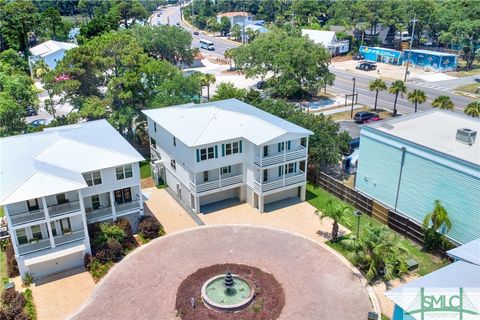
(94, 215)
(216, 184)
(290, 179)
(44, 244)
(127, 207)
(27, 217)
(155, 153)
(290, 155)
(64, 208)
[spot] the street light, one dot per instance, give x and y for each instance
(410, 51)
(353, 97)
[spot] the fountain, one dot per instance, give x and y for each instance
(227, 292)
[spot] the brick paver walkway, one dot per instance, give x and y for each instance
(317, 284)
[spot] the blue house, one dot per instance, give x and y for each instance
(383, 55)
(431, 60)
(409, 162)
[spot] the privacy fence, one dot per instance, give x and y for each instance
(380, 212)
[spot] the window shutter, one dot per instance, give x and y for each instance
(288, 145)
(198, 155)
(216, 151)
(295, 167)
(240, 145)
(279, 147)
(279, 171)
(223, 150)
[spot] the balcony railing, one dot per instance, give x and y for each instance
(69, 237)
(27, 217)
(127, 206)
(211, 185)
(33, 246)
(155, 154)
(290, 155)
(63, 208)
(280, 183)
(98, 214)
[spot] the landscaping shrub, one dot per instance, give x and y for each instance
(98, 269)
(27, 279)
(128, 242)
(12, 267)
(435, 242)
(149, 227)
(30, 309)
(3, 244)
(13, 303)
(116, 249)
(87, 259)
(112, 231)
(104, 255)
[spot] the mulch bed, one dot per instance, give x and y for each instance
(267, 304)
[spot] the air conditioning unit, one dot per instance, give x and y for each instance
(467, 136)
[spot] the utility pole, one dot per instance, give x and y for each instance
(353, 98)
(410, 51)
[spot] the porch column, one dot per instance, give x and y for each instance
(306, 158)
(112, 202)
(142, 212)
(260, 203)
(13, 235)
(285, 144)
(49, 226)
(303, 191)
(84, 221)
(197, 204)
(220, 177)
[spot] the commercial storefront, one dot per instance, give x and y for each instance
(431, 60)
(383, 55)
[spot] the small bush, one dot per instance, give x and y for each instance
(112, 231)
(30, 309)
(104, 255)
(87, 259)
(12, 267)
(98, 269)
(124, 224)
(116, 249)
(3, 244)
(13, 303)
(435, 242)
(27, 279)
(149, 227)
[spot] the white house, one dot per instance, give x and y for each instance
(227, 149)
(237, 17)
(51, 52)
(57, 181)
(328, 39)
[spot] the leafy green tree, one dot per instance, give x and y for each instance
(296, 63)
(13, 62)
(129, 10)
(18, 87)
(377, 252)
(53, 25)
(225, 25)
(17, 20)
(438, 218)
(473, 109)
(11, 116)
(208, 79)
(444, 103)
(236, 32)
(336, 213)
(226, 90)
(166, 42)
(377, 85)
(396, 88)
(94, 108)
(98, 25)
(417, 96)
(467, 33)
(305, 12)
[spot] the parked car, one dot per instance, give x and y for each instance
(260, 85)
(358, 56)
(362, 116)
(30, 111)
(195, 33)
(372, 119)
(366, 66)
(39, 122)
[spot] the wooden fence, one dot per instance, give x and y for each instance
(380, 212)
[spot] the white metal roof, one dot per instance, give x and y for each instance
(211, 122)
(434, 129)
(50, 162)
(469, 252)
(51, 46)
(320, 36)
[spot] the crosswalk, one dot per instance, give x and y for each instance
(430, 85)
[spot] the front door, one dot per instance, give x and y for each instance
(123, 195)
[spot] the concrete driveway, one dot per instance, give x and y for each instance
(58, 296)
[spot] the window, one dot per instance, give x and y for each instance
(65, 225)
(21, 236)
(205, 176)
(61, 198)
(93, 178)
(228, 149)
(227, 169)
(153, 142)
(232, 148)
(124, 172)
(32, 204)
(210, 153)
(95, 202)
(155, 126)
(235, 148)
(36, 232)
(265, 151)
(281, 146)
(207, 153)
(303, 142)
(265, 175)
(123, 195)
(174, 142)
(173, 164)
(289, 168)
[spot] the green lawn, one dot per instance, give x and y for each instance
(1, 212)
(426, 262)
(3, 270)
(145, 171)
(470, 88)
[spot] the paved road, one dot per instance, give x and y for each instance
(343, 82)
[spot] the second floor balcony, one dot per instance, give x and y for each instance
(44, 244)
(216, 184)
(298, 153)
(282, 182)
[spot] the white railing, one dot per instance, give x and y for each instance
(290, 155)
(127, 206)
(154, 152)
(63, 208)
(33, 246)
(99, 214)
(211, 185)
(280, 183)
(27, 217)
(69, 237)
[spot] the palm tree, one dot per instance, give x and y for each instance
(437, 218)
(397, 87)
(473, 109)
(336, 213)
(417, 97)
(443, 102)
(378, 251)
(207, 79)
(377, 85)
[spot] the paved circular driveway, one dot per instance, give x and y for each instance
(317, 284)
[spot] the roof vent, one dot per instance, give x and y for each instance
(467, 136)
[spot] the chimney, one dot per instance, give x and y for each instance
(466, 136)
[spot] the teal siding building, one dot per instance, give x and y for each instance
(407, 163)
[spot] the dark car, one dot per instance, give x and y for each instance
(30, 111)
(260, 85)
(358, 56)
(362, 116)
(366, 66)
(195, 33)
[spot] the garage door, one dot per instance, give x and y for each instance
(49, 267)
(219, 196)
(290, 193)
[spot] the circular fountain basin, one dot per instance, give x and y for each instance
(216, 296)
